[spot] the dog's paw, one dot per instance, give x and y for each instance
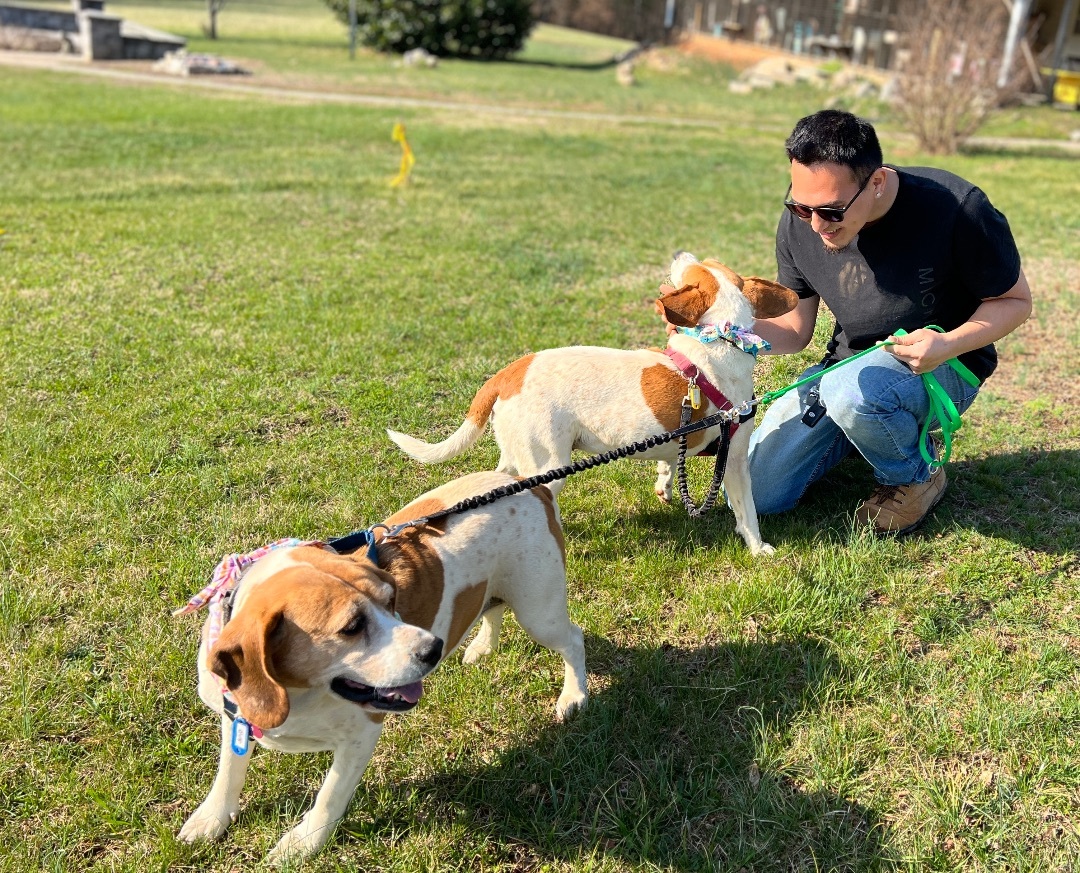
(301, 842)
(476, 651)
(764, 549)
(664, 480)
(206, 823)
(570, 702)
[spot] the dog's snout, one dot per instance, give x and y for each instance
(430, 653)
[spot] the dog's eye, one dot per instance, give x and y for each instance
(355, 626)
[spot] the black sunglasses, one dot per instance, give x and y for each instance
(831, 214)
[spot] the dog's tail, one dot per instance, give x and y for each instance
(461, 439)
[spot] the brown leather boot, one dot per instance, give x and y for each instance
(899, 509)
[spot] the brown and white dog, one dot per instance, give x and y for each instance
(320, 646)
(547, 404)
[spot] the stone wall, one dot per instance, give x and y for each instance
(30, 18)
(87, 30)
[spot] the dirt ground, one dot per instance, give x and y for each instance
(739, 54)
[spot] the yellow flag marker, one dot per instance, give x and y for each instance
(407, 159)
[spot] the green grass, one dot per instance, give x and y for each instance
(213, 306)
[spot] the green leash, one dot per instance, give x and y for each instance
(942, 407)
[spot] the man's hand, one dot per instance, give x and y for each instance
(923, 350)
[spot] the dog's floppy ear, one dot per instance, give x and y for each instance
(685, 306)
(768, 298)
(241, 657)
(664, 291)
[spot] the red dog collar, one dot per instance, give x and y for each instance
(693, 374)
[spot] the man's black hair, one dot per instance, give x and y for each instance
(835, 137)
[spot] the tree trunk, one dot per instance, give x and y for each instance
(212, 8)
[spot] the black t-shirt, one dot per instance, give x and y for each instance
(939, 251)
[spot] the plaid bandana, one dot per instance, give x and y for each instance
(222, 583)
(740, 337)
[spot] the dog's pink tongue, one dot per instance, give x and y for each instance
(410, 693)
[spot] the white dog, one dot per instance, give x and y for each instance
(545, 405)
(317, 647)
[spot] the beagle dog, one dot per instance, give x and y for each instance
(546, 405)
(313, 648)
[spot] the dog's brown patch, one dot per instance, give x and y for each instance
(417, 509)
(664, 389)
(413, 562)
(502, 386)
(419, 573)
(733, 277)
(552, 518)
(351, 568)
(468, 605)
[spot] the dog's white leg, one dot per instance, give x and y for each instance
(222, 804)
(575, 691)
(486, 640)
(331, 802)
(663, 481)
(741, 497)
(548, 624)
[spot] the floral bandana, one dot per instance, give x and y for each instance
(223, 582)
(740, 337)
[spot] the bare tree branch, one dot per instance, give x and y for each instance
(948, 81)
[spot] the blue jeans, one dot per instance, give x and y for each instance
(875, 406)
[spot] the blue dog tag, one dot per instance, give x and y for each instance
(241, 736)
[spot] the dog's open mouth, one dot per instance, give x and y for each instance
(392, 699)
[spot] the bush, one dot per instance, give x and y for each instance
(483, 29)
(948, 78)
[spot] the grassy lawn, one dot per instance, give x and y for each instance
(215, 304)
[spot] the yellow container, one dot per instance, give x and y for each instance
(1066, 87)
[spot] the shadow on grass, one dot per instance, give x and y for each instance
(668, 767)
(283, 41)
(613, 61)
(1030, 498)
(1061, 151)
(224, 43)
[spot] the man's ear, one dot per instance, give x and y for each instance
(242, 658)
(768, 299)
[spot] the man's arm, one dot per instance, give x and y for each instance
(924, 350)
(792, 331)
